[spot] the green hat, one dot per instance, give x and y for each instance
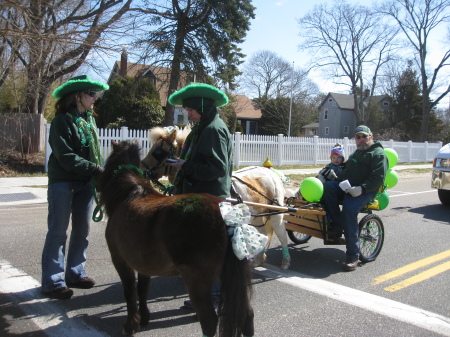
(200, 90)
(78, 83)
(363, 129)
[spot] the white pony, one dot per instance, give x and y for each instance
(255, 183)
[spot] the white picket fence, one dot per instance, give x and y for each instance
(254, 149)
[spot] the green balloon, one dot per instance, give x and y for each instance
(391, 178)
(383, 200)
(392, 157)
(311, 189)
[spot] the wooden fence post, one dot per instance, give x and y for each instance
(316, 150)
(237, 149)
(280, 150)
(409, 151)
(124, 133)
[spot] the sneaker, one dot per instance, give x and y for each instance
(350, 264)
(188, 304)
(335, 233)
(83, 283)
(62, 293)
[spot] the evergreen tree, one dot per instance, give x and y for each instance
(131, 102)
(196, 36)
(228, 114)
(276, 113)
(407, 105)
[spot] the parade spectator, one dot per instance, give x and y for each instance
(74, 161)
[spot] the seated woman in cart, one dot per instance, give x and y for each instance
(365, 170)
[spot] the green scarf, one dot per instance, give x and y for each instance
(87, 130)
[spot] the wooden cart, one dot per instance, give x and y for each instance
(304, 220)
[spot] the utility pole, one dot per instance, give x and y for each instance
(290, 107)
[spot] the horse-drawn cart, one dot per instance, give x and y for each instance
(304, 220)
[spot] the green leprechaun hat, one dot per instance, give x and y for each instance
(78, 83)
(200, 90)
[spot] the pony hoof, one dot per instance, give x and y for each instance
(130, 327)
(145, 318)
(285, 264)
(258, 260)
(127, 332)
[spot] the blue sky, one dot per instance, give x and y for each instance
(275, 28)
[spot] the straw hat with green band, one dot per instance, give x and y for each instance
(78, 83)
(199, 90)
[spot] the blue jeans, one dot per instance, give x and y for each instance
(347, 219)
(66, 199)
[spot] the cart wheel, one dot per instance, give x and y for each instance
(371, 237)
(298, 238)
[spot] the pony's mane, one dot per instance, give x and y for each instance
(157, 132)
(121, 181)
(182, 134)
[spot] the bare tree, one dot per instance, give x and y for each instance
(352, 43)
(417, 20)
(9, 46)
(268, 75)
(56, 38)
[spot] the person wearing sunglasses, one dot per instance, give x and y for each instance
(365, 170)
(74, 161)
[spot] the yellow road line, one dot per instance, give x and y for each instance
(410, 267)
(420, 277)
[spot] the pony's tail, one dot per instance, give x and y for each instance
(235, 311)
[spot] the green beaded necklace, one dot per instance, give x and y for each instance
(87, 129)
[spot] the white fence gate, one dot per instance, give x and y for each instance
(254, 149)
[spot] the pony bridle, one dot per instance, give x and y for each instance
(160, 155)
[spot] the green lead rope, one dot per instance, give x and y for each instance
(98, 207)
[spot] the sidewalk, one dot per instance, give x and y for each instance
(33, 190)
(23, 190)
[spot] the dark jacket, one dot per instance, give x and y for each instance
(211, 162)
(366, 168)
(69, 160)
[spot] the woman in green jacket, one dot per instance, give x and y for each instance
(206, 160)
(74, 161)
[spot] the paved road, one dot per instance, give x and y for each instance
(314, 298)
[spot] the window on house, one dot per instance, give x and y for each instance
(325, 114)
(346, 130)
(386, 103)
(180, 119)
(327, 131)
(251, 127)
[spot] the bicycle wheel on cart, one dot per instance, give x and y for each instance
(371, 237)
(297, 237)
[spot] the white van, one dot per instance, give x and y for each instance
(441, 174)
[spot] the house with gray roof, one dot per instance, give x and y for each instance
(337, 117)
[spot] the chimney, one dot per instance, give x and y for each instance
(123, 63)
(366, 93)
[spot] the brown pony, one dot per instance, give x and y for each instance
(184, 235)
(255, 183)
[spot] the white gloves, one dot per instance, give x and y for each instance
(355, 191)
